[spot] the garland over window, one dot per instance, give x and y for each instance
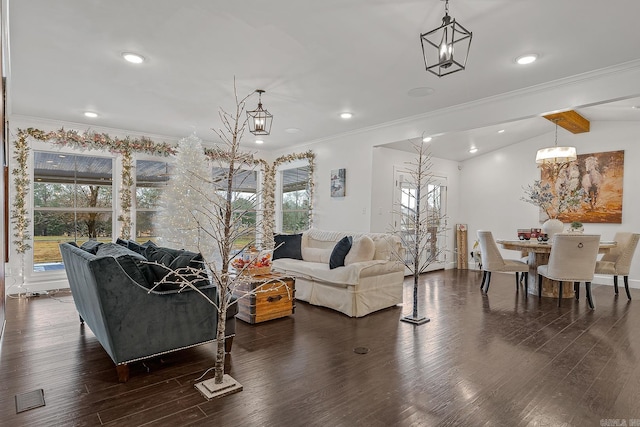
(125, 148)
(81, 142)
(269, 190)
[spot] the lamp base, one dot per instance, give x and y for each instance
(415, 320)
(211, 390)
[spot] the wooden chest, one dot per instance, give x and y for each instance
(273, 297)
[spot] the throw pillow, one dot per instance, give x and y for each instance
(91, 246)
(339, 252)
(121, 242)
(132, 263)
(363, 249)
(174, 259)
(195, 261)
(140, 248)
(288, 246)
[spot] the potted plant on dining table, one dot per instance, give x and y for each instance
(552, 202)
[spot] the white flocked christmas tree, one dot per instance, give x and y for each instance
(188, 186)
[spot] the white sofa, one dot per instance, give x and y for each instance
(370, 280)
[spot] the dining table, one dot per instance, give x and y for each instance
(538, 254)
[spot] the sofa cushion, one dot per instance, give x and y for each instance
(340, 251)
(133, 264)
(362, 249)
(288, 246)
(320, 272)
(91, 246)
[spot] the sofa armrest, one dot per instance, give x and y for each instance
(141, 323)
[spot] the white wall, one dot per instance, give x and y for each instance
(492, 185)
(352, 212)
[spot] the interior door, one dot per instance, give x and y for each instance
(434, 205)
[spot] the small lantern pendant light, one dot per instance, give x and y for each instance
(259, 119)
(444, 46)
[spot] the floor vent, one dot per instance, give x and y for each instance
(30, 400)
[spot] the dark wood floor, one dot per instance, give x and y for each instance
(489, 360)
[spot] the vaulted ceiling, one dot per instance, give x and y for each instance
(315, 59)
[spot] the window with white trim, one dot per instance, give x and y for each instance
(72, 201)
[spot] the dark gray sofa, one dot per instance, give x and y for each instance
(131, 321)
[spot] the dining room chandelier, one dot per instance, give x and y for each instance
(259, 119)
(446, 48)
(556, 155)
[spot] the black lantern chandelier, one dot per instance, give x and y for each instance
(259, 119)
(446, 48)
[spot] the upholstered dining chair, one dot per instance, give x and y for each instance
(492, 261)
(618, 261)
(572, 259)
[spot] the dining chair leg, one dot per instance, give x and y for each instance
(626, 286)
(484, 277)
(539, 285)
(615, 284)
(576, 289)
(589, 297)
(517, 280)
(560, 285)
(526, 284)
(486, 287)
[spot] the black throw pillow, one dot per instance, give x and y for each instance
(139, 248)
(133, 264)
(340, 250)
(288, 246)
(175, 259)
(91, 246)
(121, 242)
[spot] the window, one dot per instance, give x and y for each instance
(151, 181)
(72, 201)
(295, 199)
(244, 202)
(432, 213)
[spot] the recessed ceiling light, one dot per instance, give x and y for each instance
(501, 131)
(259, 141)
(427, 139)
(473, 150)
(346, 115)
(134, 58)
(526, 59)
(90, 114)
(420, 91)
(292, 130)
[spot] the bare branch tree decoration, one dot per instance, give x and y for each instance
(419, 222)
(214, 223)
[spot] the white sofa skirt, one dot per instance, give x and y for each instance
(371, 294)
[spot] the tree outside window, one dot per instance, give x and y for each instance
(151, 181)
(295, 199)
(72, 200)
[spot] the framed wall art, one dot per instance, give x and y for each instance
(338, 181)
(599, 178)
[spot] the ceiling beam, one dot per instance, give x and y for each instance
(570, 120)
